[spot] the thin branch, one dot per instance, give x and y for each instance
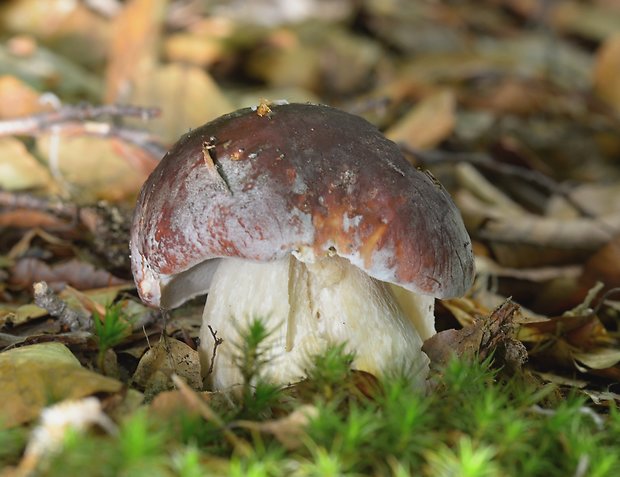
(32, 125)
(45, 298)
(218, 342)
(25, 200)
(82, 119)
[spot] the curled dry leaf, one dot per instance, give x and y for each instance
(289, 430)
(158, 364)
(494, 334)
(78, 274)
(28, 219)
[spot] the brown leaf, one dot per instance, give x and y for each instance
(604, 266)
(133, 50)
(289, 430)
(158, 364)
(606, 79)
(18, 315)
(493, 334)
(78, 274)
(28, 219)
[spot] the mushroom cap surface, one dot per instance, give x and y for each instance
(304, 179)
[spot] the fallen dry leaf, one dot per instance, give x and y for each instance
(289, 430)
(494, 334)
(28, 219)
(19, 170)
(91, 164)
(187, 96)
(431, 121)
(18, 99)
(169, 356)
(78, 274)
(133, 50)
(606, 80)
(33, 377)
(18, 315)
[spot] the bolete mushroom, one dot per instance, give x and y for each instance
(309, 218)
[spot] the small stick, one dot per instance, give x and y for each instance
(218, 342)
(36, 123)
(80, 119)
(45, 298)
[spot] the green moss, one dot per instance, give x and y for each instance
(474, 422)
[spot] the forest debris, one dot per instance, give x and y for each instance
(474, 182)
(604, 265)
(133, 50)
(18, 99)
(535, 240)
(18, 315)
(428, 123)
(288, 430)
(240, 446)
(44, 69)
(29, 219)
(169, 356)
(537, 274)
(76, 273)
(90, 164)
(606, 81)
(187, 94)
(56, 422)
(68, 114)
(494, 334)
(31, 374)
(598, 358)
(19, 170)
(45, 298)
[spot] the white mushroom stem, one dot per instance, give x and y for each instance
(307, 307)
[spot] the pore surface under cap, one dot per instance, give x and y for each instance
(305, 179)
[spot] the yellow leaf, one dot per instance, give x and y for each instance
(19, 169)
(187, 96)
(37, 376)
(428, 123)
(94, 165)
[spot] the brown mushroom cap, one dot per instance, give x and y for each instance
(304, 179)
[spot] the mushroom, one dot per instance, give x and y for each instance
(309, 218)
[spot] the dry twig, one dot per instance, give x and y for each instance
(217, 343)
(81, 119)
(45, 298)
